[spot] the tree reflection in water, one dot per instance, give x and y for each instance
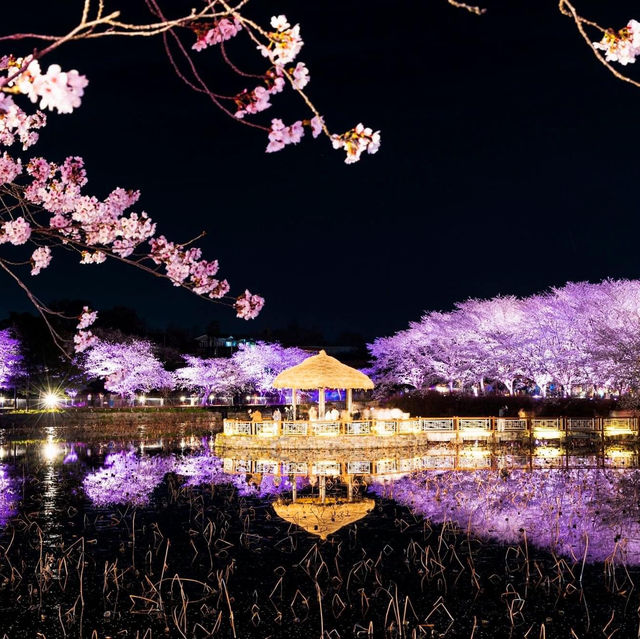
(8, 496)
(566, 511)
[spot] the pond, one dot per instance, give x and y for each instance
(169, 537)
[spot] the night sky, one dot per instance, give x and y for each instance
(508, 164)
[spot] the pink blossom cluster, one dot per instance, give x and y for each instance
(56, 89)
(40, 259)
(186, 266)
(251, 102)
(9, 168)
(84, 339)
(355, 141)
(284, 43)
(621, 46)
(84, 218)
(15, 232)
(87, 317)
(281, 135)
(222, 30)
(248, 306)
(300, 75)
(14, 122)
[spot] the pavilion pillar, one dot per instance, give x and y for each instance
(349, 405)
(350, 488)
(323, 488)
(294, 488)
(321, 403)
(293, 403)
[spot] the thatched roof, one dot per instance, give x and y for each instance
(323, 519)
(321, 371)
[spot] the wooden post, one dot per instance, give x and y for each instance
(294, 488)
(321, 403)
(323, 488)
(349, 406)
(293, 403)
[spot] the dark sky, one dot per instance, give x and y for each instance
(508, 164)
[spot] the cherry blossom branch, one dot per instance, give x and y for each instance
(42, 309)
(470, 8)
(567, 9)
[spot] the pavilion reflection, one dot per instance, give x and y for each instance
(397, 462)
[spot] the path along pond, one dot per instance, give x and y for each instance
(169, 537)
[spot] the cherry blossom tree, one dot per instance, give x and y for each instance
(10, 358)
(213, 375)
(126, 367)
(258, 364)
(580, 334)
(493, 338)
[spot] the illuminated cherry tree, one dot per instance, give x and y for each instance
(126, 367)
(579, 335)
(10, 358)
(214, 375)
(258, 364)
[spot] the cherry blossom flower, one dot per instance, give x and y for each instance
(97, 257)
(355, 141)
(83, 340)
(222, 30)
(9, 168)
(87, 318)
(248, 306)
(15, 232)
(40, 258)
(621, 46)
(300, 76)
(284, 43)
(317, 123)
(281, 135)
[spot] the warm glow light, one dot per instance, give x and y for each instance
(474, 433)
(50, 451)
(51, 400)
(618, 453)
(548, 452)
(476, 452)
(617, 430)
(547, 433)
(183, 398)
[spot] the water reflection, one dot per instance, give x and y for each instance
(8, 496)
(577, 503)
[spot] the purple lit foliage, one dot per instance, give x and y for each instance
(8, 496)
(258, 364)
(565, 511)
(10, 358)
(216, 375)
(581, 334)
(126, 367)
(127, 478)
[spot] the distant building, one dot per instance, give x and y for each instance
(214, 346)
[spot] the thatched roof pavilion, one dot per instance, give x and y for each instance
(323, 519)
(319, 372)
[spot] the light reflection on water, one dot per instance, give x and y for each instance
(225, 515)
(576, 503)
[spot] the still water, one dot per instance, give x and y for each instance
(171, 537)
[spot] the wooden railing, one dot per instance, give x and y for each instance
(458, 427)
